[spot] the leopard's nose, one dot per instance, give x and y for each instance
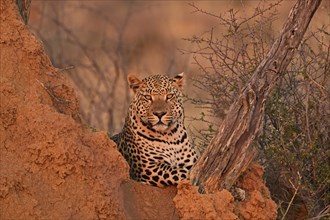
(159, 114)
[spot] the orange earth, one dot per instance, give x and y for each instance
(54, 167)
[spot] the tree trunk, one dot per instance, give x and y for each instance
(230, 151)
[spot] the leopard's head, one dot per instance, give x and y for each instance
(157, 103)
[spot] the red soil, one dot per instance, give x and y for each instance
(54, 167)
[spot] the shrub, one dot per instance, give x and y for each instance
(294, 146)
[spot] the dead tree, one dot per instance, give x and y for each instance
(230, 151)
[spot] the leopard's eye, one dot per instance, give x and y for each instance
(169, 96)
(148, 97)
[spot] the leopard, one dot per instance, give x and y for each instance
(154, 140)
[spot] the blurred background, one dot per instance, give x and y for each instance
(100, 42)
(218, 44)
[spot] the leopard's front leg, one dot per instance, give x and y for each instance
(163, 174)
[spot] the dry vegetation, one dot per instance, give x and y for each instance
(295, 142)
(294, 146)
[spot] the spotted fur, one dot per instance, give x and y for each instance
(154, 140)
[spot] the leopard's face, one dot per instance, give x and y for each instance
(158, 101)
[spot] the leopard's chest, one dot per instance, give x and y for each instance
(171, 149)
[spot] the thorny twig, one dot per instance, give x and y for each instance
(324, 213)
(296, 188)
(64, 69)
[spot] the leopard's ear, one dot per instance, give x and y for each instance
(178, 80)
(134, 82)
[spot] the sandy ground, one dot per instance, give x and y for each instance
(54, 167)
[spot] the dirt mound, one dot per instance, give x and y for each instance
(192, 205)
(256, 205)
(51, 166)
(54, 167)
